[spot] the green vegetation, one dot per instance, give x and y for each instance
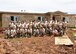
(73, 27)
(74, 35)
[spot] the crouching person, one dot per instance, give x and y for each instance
(29, 32)
(42, 31)
(61, 32)
(7, 33)
(55, 32)
(25, 32)
(22, 32)
(13, 33)
(18, 32)
(49, 31)
(36, 32)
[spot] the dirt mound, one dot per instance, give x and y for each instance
(33, 45)
(6, 47)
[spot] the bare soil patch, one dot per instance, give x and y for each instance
(35, 45)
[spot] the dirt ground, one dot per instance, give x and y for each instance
(35, 45)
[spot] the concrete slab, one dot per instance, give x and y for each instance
(63, 41)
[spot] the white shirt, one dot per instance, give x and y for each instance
(30, 30)
(7, 31)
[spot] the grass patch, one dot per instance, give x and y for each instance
(74, 33)
(72, 27)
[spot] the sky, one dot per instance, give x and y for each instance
(41, 6)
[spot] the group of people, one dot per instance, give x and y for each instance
(35, 28)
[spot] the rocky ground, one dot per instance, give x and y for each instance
(34, 45)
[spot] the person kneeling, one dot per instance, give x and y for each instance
(55, 32)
